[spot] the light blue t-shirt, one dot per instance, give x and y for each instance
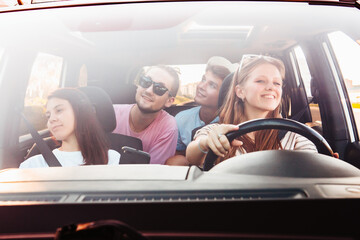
(187, 121)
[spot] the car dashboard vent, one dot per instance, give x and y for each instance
(26, 199)
(198, 196)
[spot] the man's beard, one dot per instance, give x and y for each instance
(147, 111)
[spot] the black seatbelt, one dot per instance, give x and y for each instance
(48, 155)
(296, 117)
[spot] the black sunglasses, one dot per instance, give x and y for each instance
(158, 89)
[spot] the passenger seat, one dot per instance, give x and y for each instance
(106, 116)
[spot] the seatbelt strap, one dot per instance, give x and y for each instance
(48, 155)
(296, 117)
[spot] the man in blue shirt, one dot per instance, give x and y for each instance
(207, 94)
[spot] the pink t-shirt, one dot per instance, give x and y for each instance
(159, 138)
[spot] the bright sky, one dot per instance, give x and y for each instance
(191, 73)
(348, 54)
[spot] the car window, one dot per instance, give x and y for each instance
(304, 69)
(303, 81)
(45, 77)
(347, 52)
(83, 76)
(2, 64)
(190, 76)
(1, 53)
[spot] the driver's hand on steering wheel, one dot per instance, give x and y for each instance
(218, 142)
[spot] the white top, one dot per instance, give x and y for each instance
(292, 141)
(66, 159)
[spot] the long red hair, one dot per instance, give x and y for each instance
(232, 110)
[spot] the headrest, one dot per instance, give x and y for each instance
(103, 106)
(123, 93)
(225, 86)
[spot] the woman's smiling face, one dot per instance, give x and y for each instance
(61, 118)
(262, 91)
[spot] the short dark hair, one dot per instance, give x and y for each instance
(218, 71)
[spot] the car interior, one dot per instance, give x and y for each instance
(101, 47)
(296, 99)
(105, 113)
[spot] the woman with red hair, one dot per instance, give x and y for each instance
(255, 92)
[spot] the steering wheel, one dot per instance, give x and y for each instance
(274, 123)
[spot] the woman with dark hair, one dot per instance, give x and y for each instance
(255, 92)
(72, 120)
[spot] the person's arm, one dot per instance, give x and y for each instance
(180, 147)
(182, 153)
(304, 144)
(177, 160)
(181, 118)
(197, 150)
(210, 137)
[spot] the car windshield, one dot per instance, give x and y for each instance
(122, 54)
(204, 105)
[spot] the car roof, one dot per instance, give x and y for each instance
(274, 37)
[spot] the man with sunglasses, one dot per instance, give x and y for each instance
(207, 94)
(146, 120)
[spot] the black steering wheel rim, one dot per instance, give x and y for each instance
(274, 123)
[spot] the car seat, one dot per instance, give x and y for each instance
(224, 89)
(106, 116)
